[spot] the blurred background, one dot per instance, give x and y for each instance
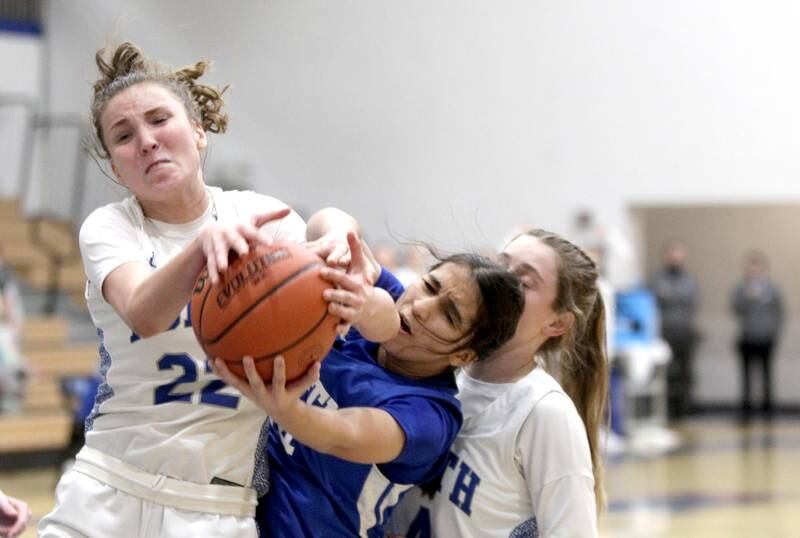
(662, 136)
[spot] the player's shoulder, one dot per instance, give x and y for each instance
(553, 426)
(115, 214)
(536, 386)
(250, 199)
(551, 407)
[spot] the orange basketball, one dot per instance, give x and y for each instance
(267, 303)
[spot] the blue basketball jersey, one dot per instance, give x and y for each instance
(314, 494)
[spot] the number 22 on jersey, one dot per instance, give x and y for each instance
(210, 393)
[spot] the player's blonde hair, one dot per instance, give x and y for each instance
(578, 357)
(126, 66)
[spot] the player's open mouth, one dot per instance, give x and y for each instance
(404, 326)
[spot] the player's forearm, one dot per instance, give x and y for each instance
(350, 434)
(157, 301)
(379, 321)
(328, 220)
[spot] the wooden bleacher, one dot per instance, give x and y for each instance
(47, 332)
(43, 431)
(32, 260)
(45, 422)
(67, 361)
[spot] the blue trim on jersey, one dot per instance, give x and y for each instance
(380, 513)
(261, 468)
(527, 529)
(315, 494)
(104, 391)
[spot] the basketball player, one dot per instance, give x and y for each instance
(170, 449)
(380, 417)
(527, 461)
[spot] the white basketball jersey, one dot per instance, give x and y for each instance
(520, 467)
(159, 407)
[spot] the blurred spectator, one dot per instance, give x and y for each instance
(609, 244)
(676, 293)
(386, 255)
(758, 305)
(14, 516)
(11, 311)
(12, 368)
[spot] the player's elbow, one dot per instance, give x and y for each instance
(327, 219)
(356, 441)
(144, 324)
(145, 328)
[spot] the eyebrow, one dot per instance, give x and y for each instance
(150, 112)
(117, 123)
(524, 267)
(528, 268)
(449, 305)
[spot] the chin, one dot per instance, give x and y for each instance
(167, 181)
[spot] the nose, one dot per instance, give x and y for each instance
(423, 307)
(147, 142)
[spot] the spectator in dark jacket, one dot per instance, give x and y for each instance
(758, 305)
(676, 293)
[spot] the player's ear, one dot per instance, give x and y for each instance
(200, 137)
(115, 171)
(559, 325)
(462, 358)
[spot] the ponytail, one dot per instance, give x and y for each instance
(584, 377)
(578, 358)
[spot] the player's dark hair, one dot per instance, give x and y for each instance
(501, 303)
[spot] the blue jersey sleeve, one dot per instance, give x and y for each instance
(430, 427)
(387, 281)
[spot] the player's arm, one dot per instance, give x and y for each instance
(326, 233)
(149, 301)
(357, 434)
(14, 515)
(328, 220)
(562, 492)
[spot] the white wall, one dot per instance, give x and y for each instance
(457, 120)
(20, 65)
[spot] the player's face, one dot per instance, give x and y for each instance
(536, 264)
(437, 312)
(154, 146)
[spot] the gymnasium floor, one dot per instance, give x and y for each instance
(727, 480)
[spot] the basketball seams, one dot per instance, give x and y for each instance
(295, 342)
(199, 321)
(288, 279)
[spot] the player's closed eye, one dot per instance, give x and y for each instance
(429, 287)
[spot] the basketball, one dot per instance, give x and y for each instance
(266, 303)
